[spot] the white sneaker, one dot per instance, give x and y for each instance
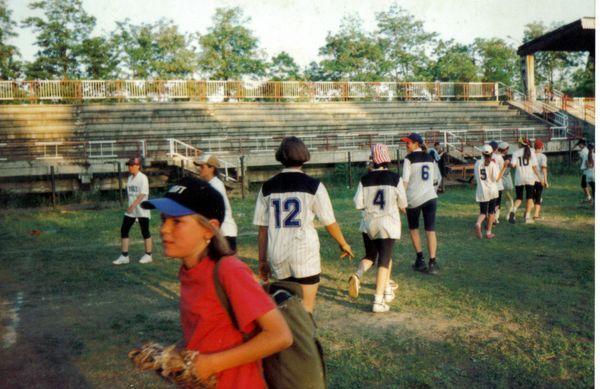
(122, 260)
(389, 295)
(145, 259)
(392, 284)
(380, 307)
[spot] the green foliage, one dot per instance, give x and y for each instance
(60, 33)
(154, 50)
(283, 68)
(404, 44)
(10, 65)
(583, 82)
(498, 61)
(99, 58)
(314, 72)
(455, 62)
(351, 54)
(230, 50)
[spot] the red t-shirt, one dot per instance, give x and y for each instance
(206, 325)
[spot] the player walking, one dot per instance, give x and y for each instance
(487, 176)
(379, 195)
(137, 191)
(418, 174)
(525, 164)
(507, 181)
(288, 244)
(541, 182)
(208, 168)
(498, 159)
(589, 171)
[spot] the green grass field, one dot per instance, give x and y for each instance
(517, 311)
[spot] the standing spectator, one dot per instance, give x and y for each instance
(137, 191)
(208, 168)
(418, 174)
(583, 157)
(438, 154)
(589, 171)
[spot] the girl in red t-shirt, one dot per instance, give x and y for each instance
(192, 212)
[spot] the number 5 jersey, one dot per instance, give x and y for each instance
(380, 195)
(486, 176)
(287, 204)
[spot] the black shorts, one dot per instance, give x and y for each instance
(310, 280)
(528, 192)
(487, 207)
(378, 250)
(584, 183)
(537, 193)
(499, 199)
(128, 222)
(428, 208)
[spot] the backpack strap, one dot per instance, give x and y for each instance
(222, 295)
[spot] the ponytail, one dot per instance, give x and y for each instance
(526, 152)
(423, 147)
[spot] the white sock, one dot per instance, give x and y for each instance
(361, 269)
(378, 299)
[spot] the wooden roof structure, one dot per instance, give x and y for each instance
(576, 36)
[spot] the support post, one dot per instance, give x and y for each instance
(530, 77)
(182, 171)
(242, 177)
(349, 169)
(120, 178)
(53, 184)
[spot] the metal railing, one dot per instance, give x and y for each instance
(187, 153)
(77, 91)
(547, 111)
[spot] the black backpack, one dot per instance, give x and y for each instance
(300, 366)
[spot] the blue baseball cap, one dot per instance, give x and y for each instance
(412, 137)
(187, 197)
(494, 144)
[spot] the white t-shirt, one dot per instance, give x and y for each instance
(485, 176)
(589, 171)
(228, 228)
(380, 194)
(287, 204)
(137, 185)
(583, 154)
(542, 162)
(499, 160)
(419, 172)
(524, 167)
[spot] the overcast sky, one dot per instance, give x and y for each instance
(300, 27)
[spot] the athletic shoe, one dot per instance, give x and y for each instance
(419, 265)
(146, 258)
(511, 218)
(389, 295)
(478, 231)
(380, 307)
(433, 268)
(392, 285)
(529, 220)
(490, 236)
(122, 260)
(353, 286)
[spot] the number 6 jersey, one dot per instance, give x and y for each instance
(419, 171)
(287, 205)
(380, 194)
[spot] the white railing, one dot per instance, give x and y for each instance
(101, 149)
(538, 107)
(49, 150)
(188, 153)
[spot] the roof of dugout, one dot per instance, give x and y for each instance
(575, 36)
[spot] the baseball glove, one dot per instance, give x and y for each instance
(171, 363)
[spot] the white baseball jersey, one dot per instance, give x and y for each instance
(137, 185)
(524, 167)
(379, 195)
(419, 172)
(583, 154)
(228, 228)
(542, 162)
(589, 171)
(287, 204)
(485, 176)
(499, 160)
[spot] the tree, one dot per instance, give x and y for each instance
(404, 44)
(230, 50)
(498, 61)
(314, 72)
(283, 68)
(59, 35)
(154, 50)
(9, 55)
(455, 62)
(98, 57)
(351, 54)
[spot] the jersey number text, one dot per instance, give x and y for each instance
(291, 205)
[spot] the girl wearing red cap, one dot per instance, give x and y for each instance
(192, 212)
(541, 181)
(380, 195)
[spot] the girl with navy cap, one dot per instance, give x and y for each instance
(192, 212)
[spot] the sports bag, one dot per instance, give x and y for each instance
(301, 366)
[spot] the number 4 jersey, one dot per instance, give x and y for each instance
(420, 172)
(287, 204)
(380, 195)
